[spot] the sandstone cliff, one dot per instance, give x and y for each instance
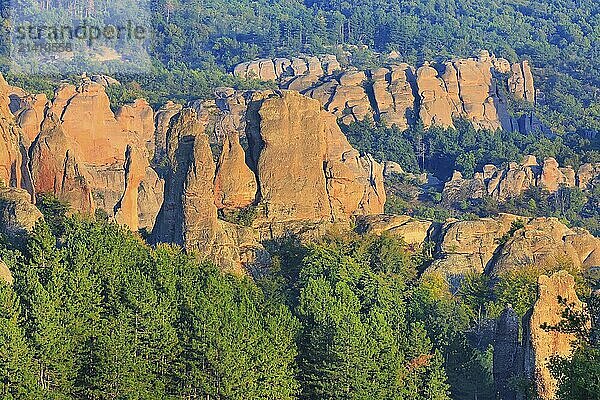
(527, 353)
(297, 172)
(400, 94)
(493, 245)
(85, 155)
(541, 344)
(513, 180)
(13, 157)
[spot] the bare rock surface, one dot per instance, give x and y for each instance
(540, 344)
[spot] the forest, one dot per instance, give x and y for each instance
(95, 313)
(196, 43)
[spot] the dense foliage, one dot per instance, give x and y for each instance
(195, 43)
(95, 313)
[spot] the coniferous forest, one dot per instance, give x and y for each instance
(95, 312)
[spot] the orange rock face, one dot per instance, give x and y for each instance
(540, 344)
(397, 95)
(90, 125)
(306, 168)
(289, 165)
(235, 183)
(135, 171)
(56, 169)
(30, 115)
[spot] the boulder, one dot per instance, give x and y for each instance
(17, 215)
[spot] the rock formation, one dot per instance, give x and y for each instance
(12, 162)
(400, 94)
(411, 230)
(469, 246)
(235, 182)
(295, 144)
(30, 114)
(541, 344)
(17, 215)
(520, 84)
(162, 120)
(85, 155)
(545, 242)
(56, 170)
(513, 180)
(529, 358)
(5, 275)
(494, 245)
(508, 354)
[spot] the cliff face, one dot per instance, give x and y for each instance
(91, 159)
(297, 169)
(401, 94)
(528, 355)
(493, 245)
(541, 344)
(12, 151)
(283, 162)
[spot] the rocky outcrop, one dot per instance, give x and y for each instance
(89, 124)
(305, 67)
(127, 212)
(296, 172)
(540, 344)
(17, 215)
(235, 182)
(137, 119)
(399, 94)
(56, 169)
(435, 107)
(411, 230)
(5, 275)
(513, 180)
(13, 157)
(508, 354)
(469, 246)
(188, 215)
(529, 358)
(546, 242)
(162, 119)
(30, 114)
(588, 176)
(509, 242)
(520, 84)
(305, 166)
(85, 155)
